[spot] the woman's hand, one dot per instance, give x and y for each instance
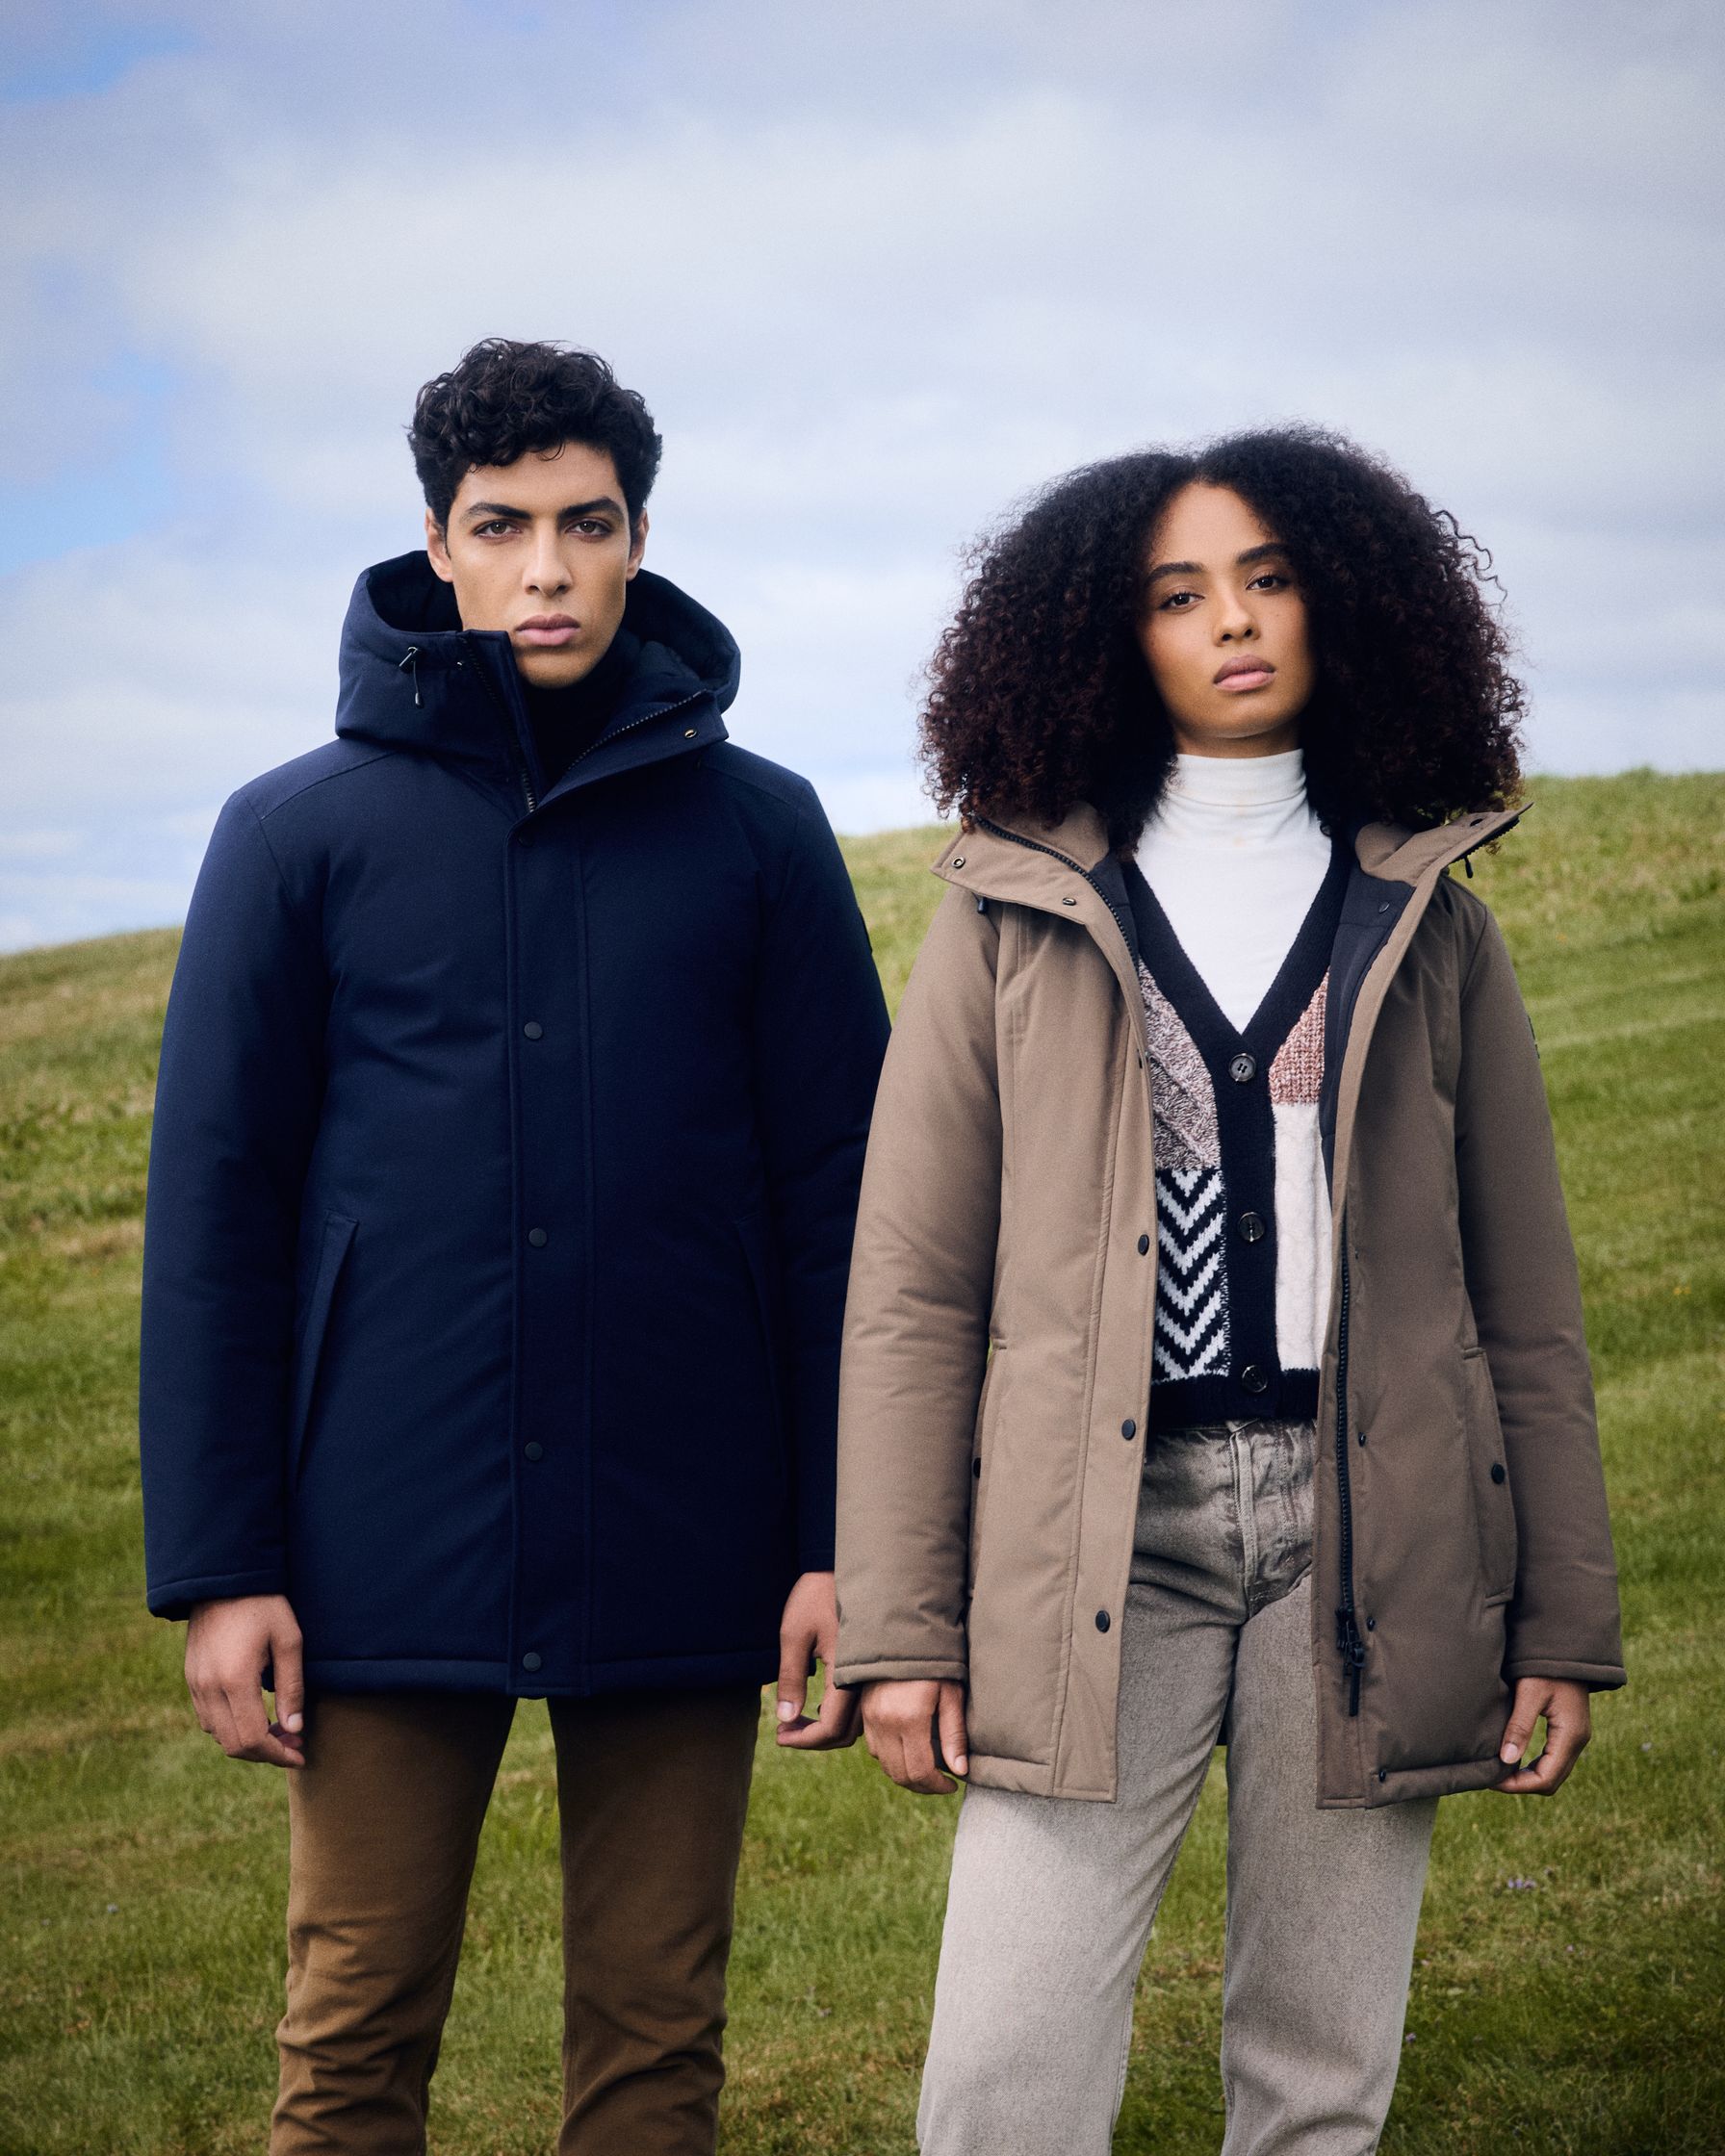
(916, 1727)
(1568, 1725)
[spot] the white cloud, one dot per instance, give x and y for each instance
(878, 276)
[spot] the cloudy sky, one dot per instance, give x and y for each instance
(878, 271)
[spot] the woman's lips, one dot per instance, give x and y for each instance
(547, 631)
(1240, 675)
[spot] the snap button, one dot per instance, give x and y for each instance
(1254, 1379)
(1359, 1437)
(1243, 1069)
(1499, 1473)
(529, 1661)
(534, 1030)
(1102, 1620)
(538, 1237)
(1068, 902)
(957, 860)
(1144, 1246)
(688, 733)
(535, 1451)
(1384, 1774)
(1128, 1428)
(1371, 1624)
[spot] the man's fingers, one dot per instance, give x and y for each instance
(831, 1730)
(796, 1663)
(287, 1653)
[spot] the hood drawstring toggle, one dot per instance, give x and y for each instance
(411, 665)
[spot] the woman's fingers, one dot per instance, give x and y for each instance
(949, 1725)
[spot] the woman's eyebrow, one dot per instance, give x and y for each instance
(1176, 569)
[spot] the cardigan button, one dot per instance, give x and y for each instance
(1251, 1226)
(1243, 1069)
(1254, 1379)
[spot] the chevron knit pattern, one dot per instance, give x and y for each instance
(1192, 1281)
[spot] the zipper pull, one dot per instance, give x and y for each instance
(1352, 1650)
(411, 665)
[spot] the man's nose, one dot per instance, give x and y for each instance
(546, 573)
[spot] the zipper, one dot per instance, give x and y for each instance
(1350, 1643)
(665, 711)
(1036, 846)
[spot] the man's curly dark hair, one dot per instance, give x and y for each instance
(505, 397)
(1039, 696)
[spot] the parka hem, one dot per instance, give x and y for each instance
(1406, 1784)
(671, 1673)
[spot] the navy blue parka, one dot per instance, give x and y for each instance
(505, 1168)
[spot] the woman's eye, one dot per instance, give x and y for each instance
(1273, 580)
(1179, 602)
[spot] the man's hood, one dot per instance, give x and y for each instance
(413, 678)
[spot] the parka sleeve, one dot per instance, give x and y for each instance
(237, 1103)
(820, 1034)
(1522, 1284)
(917, 1322)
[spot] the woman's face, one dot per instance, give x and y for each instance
(1223, 629)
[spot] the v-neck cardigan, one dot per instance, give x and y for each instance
(1218, 1354)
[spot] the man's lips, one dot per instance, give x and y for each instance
(1236, 675)
(547, 631)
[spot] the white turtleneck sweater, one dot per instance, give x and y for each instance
(1235, 856)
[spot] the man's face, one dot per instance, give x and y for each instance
(542, 548)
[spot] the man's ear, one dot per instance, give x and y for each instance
(637, 545)
(437, 547)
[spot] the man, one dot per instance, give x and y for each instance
(512, 1105)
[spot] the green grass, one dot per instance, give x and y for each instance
(141, 1921)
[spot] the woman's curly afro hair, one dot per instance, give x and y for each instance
(504, 397)
(1040, 697)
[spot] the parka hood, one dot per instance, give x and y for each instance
(413, 678)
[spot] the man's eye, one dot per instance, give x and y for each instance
(497, 526)
(595, 527)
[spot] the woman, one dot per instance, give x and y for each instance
(1214, 1366)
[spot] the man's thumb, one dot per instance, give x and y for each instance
(289, 1659)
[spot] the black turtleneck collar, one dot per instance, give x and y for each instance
(567, 722)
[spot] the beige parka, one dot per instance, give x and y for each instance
(996, 1364)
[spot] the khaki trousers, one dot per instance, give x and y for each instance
(1052, 1900)
(384, 1821)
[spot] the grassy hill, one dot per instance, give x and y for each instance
(1569, 1986)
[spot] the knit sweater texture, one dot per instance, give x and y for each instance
(1237, 891)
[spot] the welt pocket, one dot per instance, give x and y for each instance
(337, 1241)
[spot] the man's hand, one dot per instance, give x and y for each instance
(809, 1630)
(227, 1644)
(916, 1727)
(1568, 1725)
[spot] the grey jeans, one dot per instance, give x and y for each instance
(1052, 1900)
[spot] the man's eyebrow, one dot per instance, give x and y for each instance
(525, 516)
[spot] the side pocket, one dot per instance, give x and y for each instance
(979, 1472)
(1494, 1508)
(338, 1239)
